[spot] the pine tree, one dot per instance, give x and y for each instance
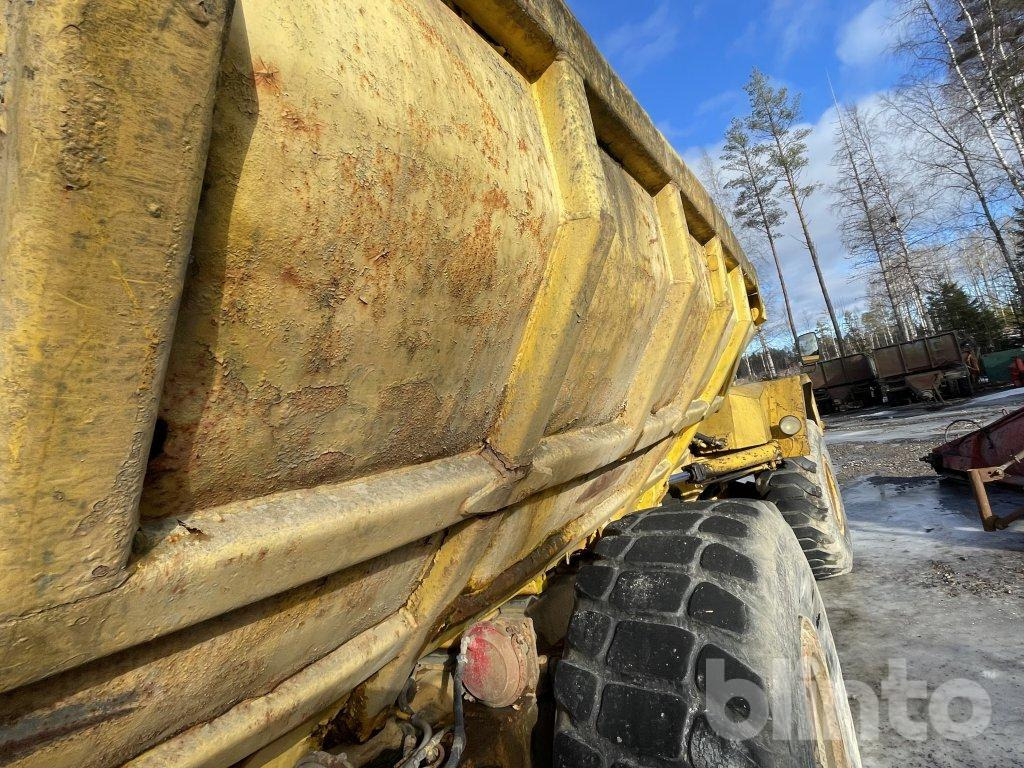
(774, 115)
(954, 310)
(756, 206)
(854, 333)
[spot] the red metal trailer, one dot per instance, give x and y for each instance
(991, 454)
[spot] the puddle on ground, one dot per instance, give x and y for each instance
(931, 514)
(932, 422)
(933, 591)
(921, 497)
(925, 533)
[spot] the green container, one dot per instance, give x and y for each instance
(997, 364)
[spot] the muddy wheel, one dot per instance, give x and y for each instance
(699, 640)
(806, 492)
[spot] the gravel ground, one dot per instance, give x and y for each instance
(890, 441)
(892, 459)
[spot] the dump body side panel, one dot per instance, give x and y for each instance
(888, 361)
(632, 285)
(847, 370)
(452, 305)
(944, 350)
(368, 251)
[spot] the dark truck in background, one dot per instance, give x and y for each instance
(929, 368)
(943, 365)
(849, 382)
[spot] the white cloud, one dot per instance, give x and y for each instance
(671, 131)
(794, 22)
(869, 35)
(783, 28)
(636, 45)
(726, 101)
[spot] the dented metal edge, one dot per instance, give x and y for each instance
(560, 543)
(249, 725)
(212, 561)
(246, 727)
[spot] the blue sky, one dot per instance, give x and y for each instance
(687, 60)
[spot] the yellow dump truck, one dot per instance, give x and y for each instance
(341, 343)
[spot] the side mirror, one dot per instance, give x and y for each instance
(809, 345)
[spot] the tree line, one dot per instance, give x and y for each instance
(929, 189)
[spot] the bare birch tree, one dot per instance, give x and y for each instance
(942, 38)
(858, 216)
(897, 199)
(979, 51)
(715, 183)
(955, 160)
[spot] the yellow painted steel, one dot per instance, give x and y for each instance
(740, 422)
(326, 327)
(106, 110)
(744, 459)
(751, 414)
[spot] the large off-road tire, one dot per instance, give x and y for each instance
(806, 492)
(680, 597)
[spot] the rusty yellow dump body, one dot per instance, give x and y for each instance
(325, 326)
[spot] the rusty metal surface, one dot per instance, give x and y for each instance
(501, 661)
(991, 454)
(943, 350)
(992, 445)
(888, 361)
(989, 520)
(450, 309)
(851, 369)
(633, 284)
(925, 384)
(99, 715)
(506, 736)
(366, 255)
(534, 33)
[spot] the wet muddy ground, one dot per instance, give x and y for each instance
(931, 593)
